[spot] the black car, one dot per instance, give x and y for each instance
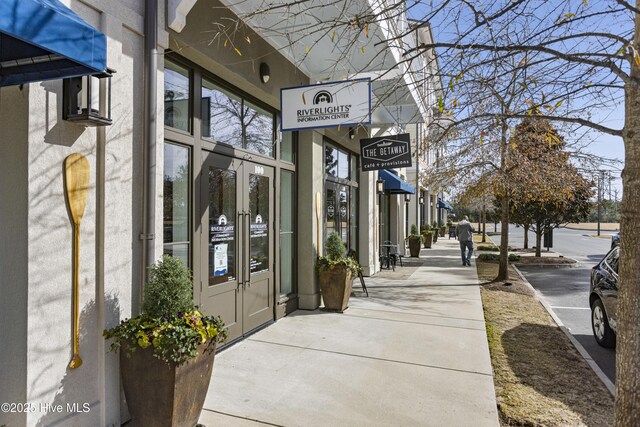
(603, 298)
(615, 240)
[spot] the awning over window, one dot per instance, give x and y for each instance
(44, 40)
(394, 184)
(444, 205)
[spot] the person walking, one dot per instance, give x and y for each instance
(464, 230)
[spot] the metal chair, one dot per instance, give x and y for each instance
(352, 253)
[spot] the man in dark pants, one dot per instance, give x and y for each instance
(464, 230)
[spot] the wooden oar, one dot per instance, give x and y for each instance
(76, 186)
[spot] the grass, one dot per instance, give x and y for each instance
(540, 379)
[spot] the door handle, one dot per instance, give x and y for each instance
(241, 282)
(248, 250)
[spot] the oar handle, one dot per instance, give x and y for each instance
(76, 361)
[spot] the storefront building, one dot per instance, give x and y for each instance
(194, 164)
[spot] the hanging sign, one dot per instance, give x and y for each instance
(344, 103)
(386, 152)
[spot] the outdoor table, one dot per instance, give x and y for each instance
(388, 247)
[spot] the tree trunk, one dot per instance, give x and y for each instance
(503, 266)
(538, 238)
(484, 224)
(526, 235)
(627, 409)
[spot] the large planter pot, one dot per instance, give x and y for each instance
(435, 236)
(443, 230)
(335, 285)
(160, 394)
(427, 239)
(414, 247)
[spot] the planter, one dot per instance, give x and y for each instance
(427, 240)
(335, 285)
(159, 394)
(443, 230)
(435, 236)
(414, 247)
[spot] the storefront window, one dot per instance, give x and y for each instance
(221, 113)
(286, 146)
(176, 234)
(341, 195)
(177, 108)
(229, 119)
(287, 215)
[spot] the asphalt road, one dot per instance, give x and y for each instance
(566, 289)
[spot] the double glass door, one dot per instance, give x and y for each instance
(237, 243)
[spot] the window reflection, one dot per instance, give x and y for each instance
(176, 97)
(229, 119)
(176, 208)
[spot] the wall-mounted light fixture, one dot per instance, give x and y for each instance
(352, 133)
(421, 200)
(379, 186)
(265, 72)
(407, 197)
(87, 99)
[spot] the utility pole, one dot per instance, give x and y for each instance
(600, 191)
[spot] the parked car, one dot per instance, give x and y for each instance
(603, 298)
(615, 240)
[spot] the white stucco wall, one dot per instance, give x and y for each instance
(36, 326)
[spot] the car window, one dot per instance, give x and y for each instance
(612, 259)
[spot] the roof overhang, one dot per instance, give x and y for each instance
(340, 40)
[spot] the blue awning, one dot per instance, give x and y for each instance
(44, 40)
(444, 205)
(394, 184)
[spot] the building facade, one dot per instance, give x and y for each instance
(194, 164)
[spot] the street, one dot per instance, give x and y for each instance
(566, 289)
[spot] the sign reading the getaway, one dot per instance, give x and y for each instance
(385, 152)
(326, 105)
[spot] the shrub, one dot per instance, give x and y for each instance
(496, 257)
(169, 289)
(335, 246)
(169, 322)
(335, 256)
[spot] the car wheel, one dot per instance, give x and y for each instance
(602, 332)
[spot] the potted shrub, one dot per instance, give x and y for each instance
(166, 353)
(427, 239)
(335, 274)
(434, 233)
(414, 241)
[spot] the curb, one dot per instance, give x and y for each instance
(573, 265)
(587, 358)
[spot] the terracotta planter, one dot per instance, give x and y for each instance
(427, 239)
(159, 394)
(414, 247)
(335, 286)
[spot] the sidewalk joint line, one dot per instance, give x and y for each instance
(414, 314)
(242, 418)
(416, 323)
(400, 362)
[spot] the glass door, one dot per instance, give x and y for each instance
(237, 247)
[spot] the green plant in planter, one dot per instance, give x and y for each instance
(414, 241)
(336, 256)
(169, 322)
(335, 274)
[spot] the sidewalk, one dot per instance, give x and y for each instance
(414, 353)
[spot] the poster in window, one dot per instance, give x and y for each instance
(220, 259)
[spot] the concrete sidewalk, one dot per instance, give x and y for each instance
(414, 353)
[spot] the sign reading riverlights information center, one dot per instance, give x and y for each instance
(326, 105)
